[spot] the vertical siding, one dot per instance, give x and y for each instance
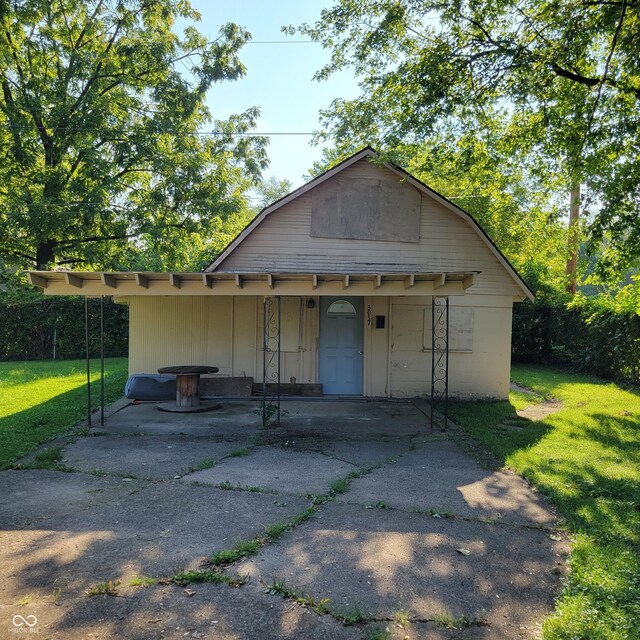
(171, 330)
(227, 332)
(376, 347)
(245, 311)
(481, 372)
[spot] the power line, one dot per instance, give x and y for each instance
(233, 134)
(283, 42)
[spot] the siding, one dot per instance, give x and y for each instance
(282, 243)
(226, 332)
(482, 371)
(222, 331)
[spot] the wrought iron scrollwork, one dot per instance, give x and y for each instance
(439, 359)
(271, 361)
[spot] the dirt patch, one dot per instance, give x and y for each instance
(535, 412)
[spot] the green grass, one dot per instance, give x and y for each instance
(586, 459)
(42, 400)
(50, 458)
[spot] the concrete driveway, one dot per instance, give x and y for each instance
(355, 521)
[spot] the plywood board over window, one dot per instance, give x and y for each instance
(366, 208)
(460, 329)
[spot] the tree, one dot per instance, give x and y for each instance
(272, 189)
(103, 160)
(562, 79)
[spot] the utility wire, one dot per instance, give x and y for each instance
(236, 134)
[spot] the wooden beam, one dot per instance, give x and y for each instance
(469, 281)
(270, 280)
(439, 280)
(238, 281)
(109, 280)
(345, 282)
(73, 281)
(377, 283)
(174, 280)
(409, 281)
(207, 281)
(141, 280)
(314, 281)
(37, 281)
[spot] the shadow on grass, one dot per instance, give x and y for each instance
(22, 432)
(487, 422)
(588, 493)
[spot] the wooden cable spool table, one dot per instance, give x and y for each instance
(187, 389)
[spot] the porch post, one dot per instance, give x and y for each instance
(271, 360)
(440, 358)
(102, 361)
(86, 348)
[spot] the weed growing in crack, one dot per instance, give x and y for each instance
(209, 575)
(142, 581)
(274, 531)
(246, 548)
(226, 485)
(50, 458)
(339, 486)
(448, 621)
(377, 632)
(108, 588)
(279, 587)
(239, 453)
(350, 615)
(201, 466)
(401, 617)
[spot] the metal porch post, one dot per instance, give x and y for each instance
(440, 358)
(86, 346)
(271, 359)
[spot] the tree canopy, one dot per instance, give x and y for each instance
(550, 87)
(103, 158)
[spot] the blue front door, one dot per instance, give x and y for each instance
(341, 334)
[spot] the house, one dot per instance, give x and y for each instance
(363, 280)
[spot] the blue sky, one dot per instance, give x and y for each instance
(278, 79)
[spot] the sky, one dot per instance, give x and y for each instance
(278, 78)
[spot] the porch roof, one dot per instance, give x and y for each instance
(136, 283)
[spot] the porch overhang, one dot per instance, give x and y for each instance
(143, 283)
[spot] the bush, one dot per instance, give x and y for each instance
(599, 335)
(28, 329)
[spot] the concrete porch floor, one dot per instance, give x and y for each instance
(406, 533)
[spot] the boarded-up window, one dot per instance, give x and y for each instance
(362, 208)
(460, 329)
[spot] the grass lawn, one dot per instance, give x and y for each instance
(586, 459)
(41, 400)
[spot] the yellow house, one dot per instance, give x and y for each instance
(363, 280)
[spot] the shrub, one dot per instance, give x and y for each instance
(27, 329)
(598, 334)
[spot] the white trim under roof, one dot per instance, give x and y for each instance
(368, 152)
(136, 283)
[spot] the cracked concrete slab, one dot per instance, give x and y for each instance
(213, 612)
(145, 456)
(381, 561)
(367, 453)
(277, 469)
(353, 420)
(146, 529)
(32, 497)
(62, 532)
(234, 421)
(439, 476)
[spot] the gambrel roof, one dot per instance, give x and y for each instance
(247, 249)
